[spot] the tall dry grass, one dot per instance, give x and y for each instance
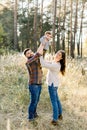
(14, 97)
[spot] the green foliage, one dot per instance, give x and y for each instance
(6, 20)
(2, 51)
(25, 28)
(27, 33)
(2, 37)
(46, 26)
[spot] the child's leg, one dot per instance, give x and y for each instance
(44, 52)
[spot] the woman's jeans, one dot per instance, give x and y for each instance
(56, 104)
(35, 91)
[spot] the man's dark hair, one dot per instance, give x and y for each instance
(27, 49)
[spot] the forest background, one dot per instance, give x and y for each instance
(22, 23)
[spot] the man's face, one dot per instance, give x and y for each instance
(29, 53)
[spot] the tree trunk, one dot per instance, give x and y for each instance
(15, 25)
(58, 37)
(35, 26)
(41, 20)
(80, 35)
(28, 25)
(22, 46)
(68, 51)
(63, 39)
(58, 27)
(54, 21)
(71, 35)
(75, 24)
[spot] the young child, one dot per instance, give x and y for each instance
(45, 41)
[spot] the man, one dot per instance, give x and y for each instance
(35, 81)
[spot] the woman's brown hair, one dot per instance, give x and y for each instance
(63, 62)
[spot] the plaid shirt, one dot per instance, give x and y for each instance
(34, 69)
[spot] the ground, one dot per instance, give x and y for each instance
(14, 97)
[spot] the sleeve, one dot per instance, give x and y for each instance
(35, 57)
(49, 65)
(42, 40)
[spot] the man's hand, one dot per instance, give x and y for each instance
(40, 49)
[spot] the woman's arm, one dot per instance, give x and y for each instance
(49, 65)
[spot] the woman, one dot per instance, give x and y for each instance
(58, 65)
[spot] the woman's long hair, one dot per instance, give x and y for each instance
(63, 62)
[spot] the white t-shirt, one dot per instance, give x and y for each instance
(45, 42)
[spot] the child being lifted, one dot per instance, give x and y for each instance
(45, 41)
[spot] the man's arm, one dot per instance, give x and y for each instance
(40, 49)
(35, 57)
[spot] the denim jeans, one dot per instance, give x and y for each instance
(35, 91)
(55, 101)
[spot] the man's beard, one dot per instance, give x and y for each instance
(29, 57)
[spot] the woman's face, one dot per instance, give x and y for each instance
(58, 56)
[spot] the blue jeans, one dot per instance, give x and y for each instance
(56, 104)
(35, 91)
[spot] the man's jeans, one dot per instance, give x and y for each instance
(56, 105)
(35, 91)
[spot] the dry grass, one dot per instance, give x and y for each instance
(14, 97)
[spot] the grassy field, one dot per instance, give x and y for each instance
(14, 97)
